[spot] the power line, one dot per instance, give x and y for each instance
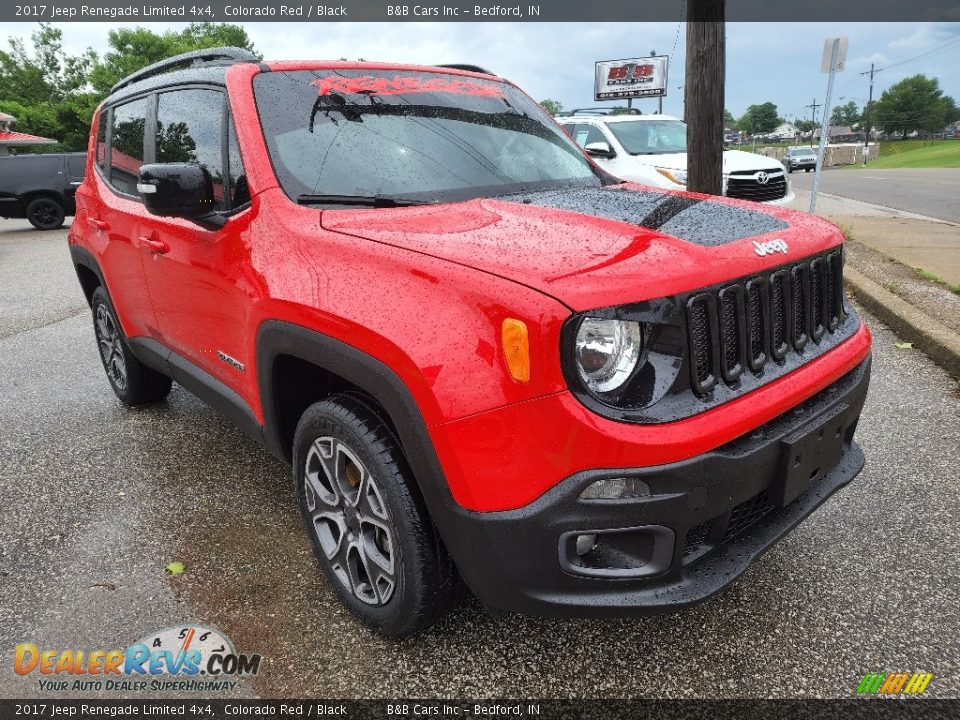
(947, 45)
(925, 54)
(676, 39)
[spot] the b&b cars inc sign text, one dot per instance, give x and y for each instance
(635, 77)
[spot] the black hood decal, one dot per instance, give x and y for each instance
(698, 221)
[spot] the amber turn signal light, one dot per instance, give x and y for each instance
(516, 349)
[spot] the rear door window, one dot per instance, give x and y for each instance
(102, 140)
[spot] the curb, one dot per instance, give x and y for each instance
(937, 341)
(894, 212)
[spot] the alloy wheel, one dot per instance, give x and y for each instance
(350, 521)
(111, 350)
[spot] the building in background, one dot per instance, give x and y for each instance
(11, 138)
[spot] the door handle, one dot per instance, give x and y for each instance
(97, 224)
(153, 245)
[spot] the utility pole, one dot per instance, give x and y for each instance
(653, 53)
(867, 113)
(704, 94)
(813, 117)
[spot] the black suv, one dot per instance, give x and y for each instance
(40, 188)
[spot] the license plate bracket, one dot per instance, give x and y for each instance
(809, 453)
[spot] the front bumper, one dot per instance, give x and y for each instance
(712, 514)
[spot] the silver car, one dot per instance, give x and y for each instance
(800, 158)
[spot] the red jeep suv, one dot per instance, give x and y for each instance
(491, 364)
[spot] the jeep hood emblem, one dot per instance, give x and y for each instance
(770, 246)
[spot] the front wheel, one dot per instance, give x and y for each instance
(45, 213)
(366, 520)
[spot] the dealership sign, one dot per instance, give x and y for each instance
(636, 77)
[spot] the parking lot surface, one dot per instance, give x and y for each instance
(924, 191)
(97, 500)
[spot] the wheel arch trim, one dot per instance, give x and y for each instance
(277, 338)
(82, 257)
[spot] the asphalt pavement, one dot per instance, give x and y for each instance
(98, 499)
(925, 191)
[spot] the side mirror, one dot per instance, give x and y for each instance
(600, 149)
(180, 190)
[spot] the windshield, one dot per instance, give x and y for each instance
(651, 137)
(803, 152)
(415, 135)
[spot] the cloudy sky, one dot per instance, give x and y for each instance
(765, 61)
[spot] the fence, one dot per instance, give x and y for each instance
(833, 154)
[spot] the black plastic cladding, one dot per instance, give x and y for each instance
(688, 365)
(702, 222)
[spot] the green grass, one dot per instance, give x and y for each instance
(918, 154)
(935, 278)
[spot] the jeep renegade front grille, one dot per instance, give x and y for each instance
(743, 326)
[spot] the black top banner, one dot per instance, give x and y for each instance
(483, 11)
(506, 709)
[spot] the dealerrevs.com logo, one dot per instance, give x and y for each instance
(894, 684)
(189, 659)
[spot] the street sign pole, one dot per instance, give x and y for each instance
(836, 50)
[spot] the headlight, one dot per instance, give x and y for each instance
(675, 176)
(606, 352)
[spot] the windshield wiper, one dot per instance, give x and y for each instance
(374, 201)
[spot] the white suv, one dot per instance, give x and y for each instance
(652, 150)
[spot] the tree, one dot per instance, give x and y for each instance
(848, 114)
(45, 73)
(554, 107)
(759, 119)
(54, 94)
(135, 48)
(806, 125)
(916, 103)
(728, 119)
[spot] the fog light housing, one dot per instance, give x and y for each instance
(615, 489)
(635, 552)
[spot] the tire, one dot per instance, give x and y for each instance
(367, 521)
(809, 169)
(789, 169)
(133, 382)
(45, 213)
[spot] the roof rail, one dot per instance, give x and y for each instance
(604, 111)
(196, 57)
(468, 68)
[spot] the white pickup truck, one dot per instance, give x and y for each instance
(652, 150)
